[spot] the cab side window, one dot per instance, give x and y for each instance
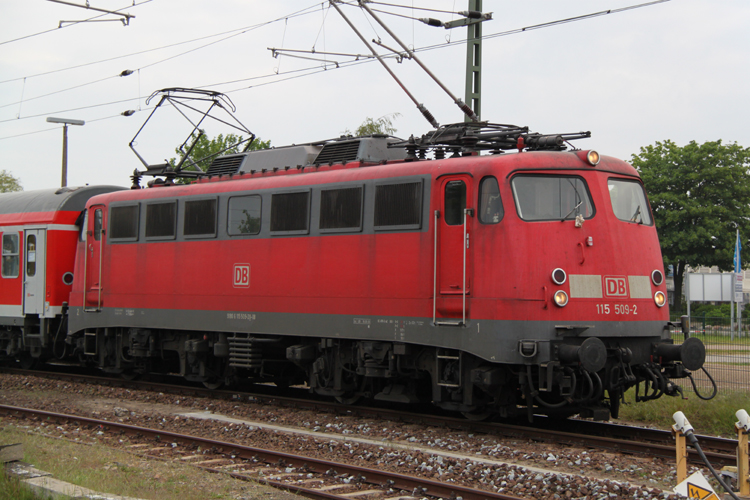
(490, 205)
(11, 259)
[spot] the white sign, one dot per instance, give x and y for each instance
(696, 486)
(710, 287)
(738, 288)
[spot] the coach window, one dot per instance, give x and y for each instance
(398, 206)
(123, 223)
(244, 215)
(10, 255)
(200, 218)
(31, 255)
(629, 201)
(160, 220)
(490, 204)
(341, 209)
(551, 197)
(290, 212)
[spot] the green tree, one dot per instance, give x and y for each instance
(700, 197)
(382, 125)
(8, 183)
(206, 147)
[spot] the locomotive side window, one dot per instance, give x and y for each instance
(455, 202)
(244, 215)
(123, 223)
(551, 197)
(160, 220)
(10, 255)
(629, 201)
(98, 224)
(490, 205)
(341, 208)
(200, 218)
(398, 206)
(290, 212)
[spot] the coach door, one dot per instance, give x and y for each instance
(34, 268)
(93, 264)
(452, 244)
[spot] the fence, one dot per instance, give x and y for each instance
(727, 354)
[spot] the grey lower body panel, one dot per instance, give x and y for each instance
(496, 341)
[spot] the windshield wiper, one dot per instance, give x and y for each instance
(637, 216)
(571, 211)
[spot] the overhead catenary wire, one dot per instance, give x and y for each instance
(315, 70)
(73, 23)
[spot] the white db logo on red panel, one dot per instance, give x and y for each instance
(242, 275)
(615, 286)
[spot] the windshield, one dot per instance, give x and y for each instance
(629, 201)
(551, 197)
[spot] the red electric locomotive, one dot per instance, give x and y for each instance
(485, 284)
(488, 284)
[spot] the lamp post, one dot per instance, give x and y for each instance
(65, 122)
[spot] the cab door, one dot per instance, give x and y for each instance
(93, 265)
(34, 271)
(453, 242)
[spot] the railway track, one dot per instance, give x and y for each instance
(586, 434)
(305, 475)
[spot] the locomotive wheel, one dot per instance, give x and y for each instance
(129, 375)
(478, 415)
(213, 383)
(348, 399)
(27, 361)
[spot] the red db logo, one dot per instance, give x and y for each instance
(242, 275)
(615, 286)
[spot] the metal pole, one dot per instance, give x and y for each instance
(461, 105)
(473, 93)
(425, 112)
(65, 156)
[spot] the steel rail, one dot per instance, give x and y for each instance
(587, 434)
(373, 476)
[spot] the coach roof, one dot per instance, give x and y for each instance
(51, 200)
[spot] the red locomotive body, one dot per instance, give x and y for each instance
(482, 284)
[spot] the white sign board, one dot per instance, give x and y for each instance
(710, 287)
(738, 288)
(696, 486)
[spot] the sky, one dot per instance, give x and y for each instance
(672, 70)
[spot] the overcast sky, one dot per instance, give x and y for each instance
(674, 70)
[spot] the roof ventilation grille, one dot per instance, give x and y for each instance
(225, 165)
(339, 152)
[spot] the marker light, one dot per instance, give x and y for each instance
(660, 299)
(559, 276)
(592, 157)
(657, 277)
(561, 298)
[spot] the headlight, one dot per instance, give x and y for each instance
(657, 277)
(660, 299)
(561, 298)
(592, 157)
(559, 276)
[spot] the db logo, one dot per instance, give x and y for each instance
(242, 275)
(615, 286)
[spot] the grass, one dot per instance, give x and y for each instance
(714, 417)
(112, 471)
(11, 488)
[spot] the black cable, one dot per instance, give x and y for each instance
(690, 435)
(695, 389)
